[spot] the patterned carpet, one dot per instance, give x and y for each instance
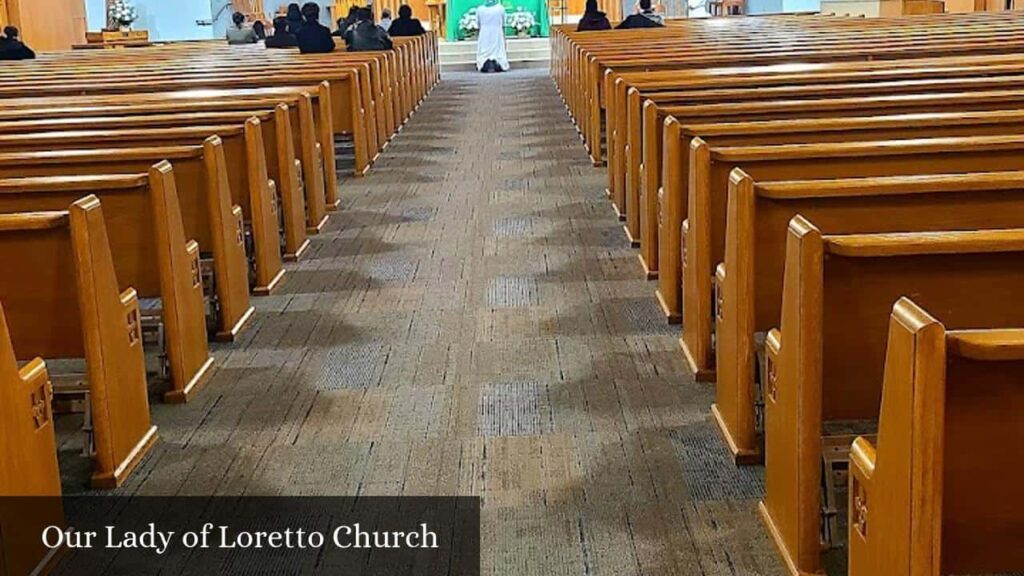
(473, 322)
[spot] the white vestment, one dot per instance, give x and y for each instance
(491, 42)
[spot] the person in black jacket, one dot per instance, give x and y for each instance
(365, 35)
(13, 49)
(313, 37)
(294, 18)
(281, 38)
(647, 18)
(347, 22)
(405, 24)
(593, 19)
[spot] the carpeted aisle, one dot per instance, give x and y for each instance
(473, 322)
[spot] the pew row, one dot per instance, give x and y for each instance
(150, 252)
(710, 169)
(71, 307)
(201, 177)
(748, 283)
(825, 363)
(932, 498)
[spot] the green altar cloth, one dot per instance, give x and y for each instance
(456, 8)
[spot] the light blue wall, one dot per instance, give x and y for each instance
(176, 19)
(801, 5)
(772, 6)
(763, 6)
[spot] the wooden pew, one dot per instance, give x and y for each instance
(683, 122)
(71, 307)
(939, 494)
(202, 177)
(311, 109)
(710, 168)
(351, 107)
(253, 193)
(245, 149)
(748, 282)
(825, 366)
(305, 152)
(28, 461)
(150, 252)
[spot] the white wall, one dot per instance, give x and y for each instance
(176, 19)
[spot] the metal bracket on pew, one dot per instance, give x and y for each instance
(835, 473)
(71, 396)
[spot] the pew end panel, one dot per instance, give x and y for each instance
(670, 235)
(182, 290)
(28, 461)
(696, 264)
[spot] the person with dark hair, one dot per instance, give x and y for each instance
(405, 24)
(645, 18)
(260, 29)
(385, 19)
(13, 49)
(294, 18)
(239, 33)
(281, 38)
(347, 22)
(593, 19)
(313, 37)
(365, 35)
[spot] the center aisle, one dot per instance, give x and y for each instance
(473, 322)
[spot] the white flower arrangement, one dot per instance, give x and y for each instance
(468, 24)
(122, 13)
(522, 21)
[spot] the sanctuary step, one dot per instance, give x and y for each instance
(462, 55)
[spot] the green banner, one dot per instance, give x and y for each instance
(458, 8)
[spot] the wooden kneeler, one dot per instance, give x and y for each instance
(150, 253)
(62, 301)
(940, 494)
(28, 462)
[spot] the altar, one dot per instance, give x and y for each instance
(458, 8)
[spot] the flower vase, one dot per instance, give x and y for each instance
(125, 28)
(522, 34)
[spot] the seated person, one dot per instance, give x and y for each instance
(345, 23)
(645, 18)
(406, 25)
(593, 19)
(260, 29)
(13, 49)
(294, 17)
(281, 38)
(314, 37)
(385, 19)
(365, 35)
(239, 33)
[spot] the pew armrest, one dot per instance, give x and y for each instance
(862, 542)
(719, 289)
(130, 303)
(862, 459)
(34, 374)
(772, 350)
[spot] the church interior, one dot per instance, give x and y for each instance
(696, 287)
